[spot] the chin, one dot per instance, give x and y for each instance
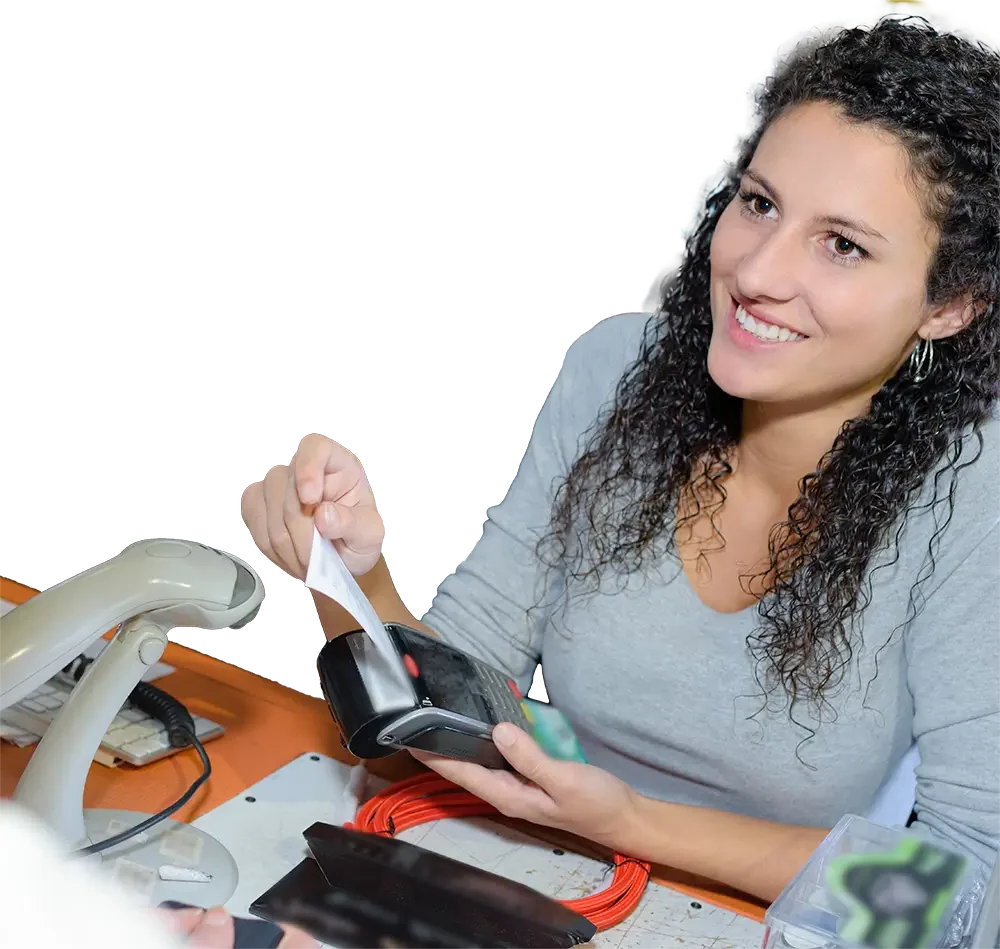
(734, 376)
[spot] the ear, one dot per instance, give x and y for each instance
(951, 317)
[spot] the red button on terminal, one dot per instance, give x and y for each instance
(411, 666)
(514, 688)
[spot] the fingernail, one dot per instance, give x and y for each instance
(329, 516)
(174, 904)
(504, 735)
(216, 916)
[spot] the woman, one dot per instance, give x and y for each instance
(754, 539)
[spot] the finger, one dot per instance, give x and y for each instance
(296, 938)
(360, 529)
(180, 921)
(510, 794)
(524, 755)
(316, 457)
(254, 511)
(277, 531)
(298, 523)
(215, 930)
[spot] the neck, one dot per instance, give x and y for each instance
(781, 443)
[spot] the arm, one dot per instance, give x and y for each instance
(754, 856)
(377, 585)
(483, 607)
(487, 606)
(953, 670)
(496, 605)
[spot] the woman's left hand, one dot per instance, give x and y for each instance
(574, 797)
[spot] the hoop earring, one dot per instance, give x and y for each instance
(922, 360)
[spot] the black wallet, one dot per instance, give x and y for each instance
(358, 890)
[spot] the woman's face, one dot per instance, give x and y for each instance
(819, 265)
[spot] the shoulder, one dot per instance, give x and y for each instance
(959, 507)
(598, 359)
(613, 342)
(974, 473)
(592, 368)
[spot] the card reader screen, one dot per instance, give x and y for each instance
(461, 684)
(449, 676)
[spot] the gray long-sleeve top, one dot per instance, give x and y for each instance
(660, 688)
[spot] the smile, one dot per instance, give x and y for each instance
(765, 331)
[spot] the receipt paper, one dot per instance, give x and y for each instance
(328, 575)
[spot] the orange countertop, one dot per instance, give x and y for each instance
(267, 725)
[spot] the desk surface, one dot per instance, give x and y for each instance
(267, 725)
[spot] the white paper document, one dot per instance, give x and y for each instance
(328, 575)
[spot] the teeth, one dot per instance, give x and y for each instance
(765, 331)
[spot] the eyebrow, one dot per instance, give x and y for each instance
(834, 219)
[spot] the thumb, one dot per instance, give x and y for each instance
(359, 528)
(523, 754)
(215, 930)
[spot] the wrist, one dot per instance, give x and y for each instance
(634, 827)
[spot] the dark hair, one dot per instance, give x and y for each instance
(671, 429)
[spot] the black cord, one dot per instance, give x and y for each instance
(164, 814)
(180, 732)
(165, 708)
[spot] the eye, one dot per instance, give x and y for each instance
(844, 251)
(756, 205)
(841, 249)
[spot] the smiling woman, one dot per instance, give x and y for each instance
(779, 255)
(755, 538)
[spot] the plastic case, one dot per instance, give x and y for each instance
(810, 915)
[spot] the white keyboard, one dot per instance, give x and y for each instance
(133, 736)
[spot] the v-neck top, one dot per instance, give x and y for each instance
(661, 690)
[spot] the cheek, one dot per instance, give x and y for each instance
(734, 240)
(728, 243)
(868, 306)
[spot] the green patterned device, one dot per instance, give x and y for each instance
(896, 899)
(871, 886)
(554, 735)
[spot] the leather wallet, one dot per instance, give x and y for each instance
(361, 889)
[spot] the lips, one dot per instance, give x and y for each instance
(760, 327)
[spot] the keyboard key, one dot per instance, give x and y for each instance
(149, 745)
(132, 732)
(145, 736)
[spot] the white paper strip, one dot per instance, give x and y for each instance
(328, 575)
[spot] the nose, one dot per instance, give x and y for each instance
(769, 269)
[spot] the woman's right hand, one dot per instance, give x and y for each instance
(323, 485)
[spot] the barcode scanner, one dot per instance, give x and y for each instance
(445, 701)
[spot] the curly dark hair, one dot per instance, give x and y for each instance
(670, 430)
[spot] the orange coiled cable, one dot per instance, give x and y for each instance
(428, 797)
